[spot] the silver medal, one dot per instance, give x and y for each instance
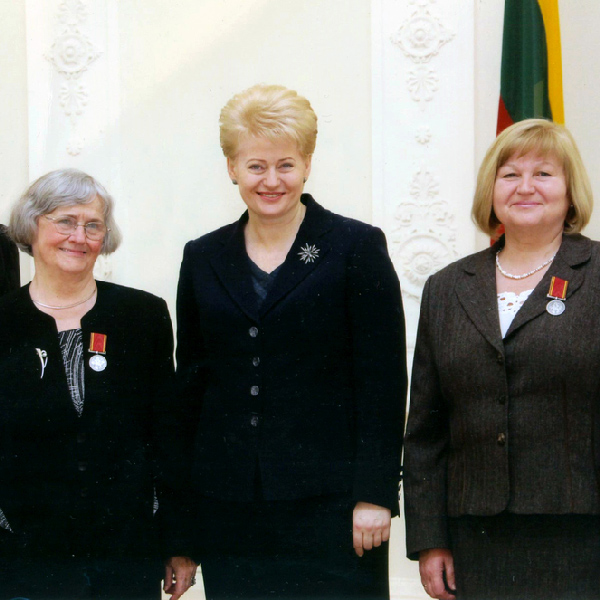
(98, 363)
(555, 307)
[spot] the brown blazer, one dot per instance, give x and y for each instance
(497, 424)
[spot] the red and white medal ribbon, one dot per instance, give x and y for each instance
(98, 347)
(558, 293)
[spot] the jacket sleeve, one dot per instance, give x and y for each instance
(175, 511)
(426, 446)
(169, 469)
(162, 388)
(379, 370)
(190, 378)
(9, 264)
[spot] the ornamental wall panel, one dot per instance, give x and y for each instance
(73, 81)
(423, 57)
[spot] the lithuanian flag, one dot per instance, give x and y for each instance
(531, 78)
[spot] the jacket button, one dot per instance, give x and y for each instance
(82, 465)
(253, 331)
(256, 361)
(500, 359)
(254, 390)
(501, 439)
(254, 420)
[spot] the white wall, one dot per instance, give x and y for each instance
(580, 22)
(179, 67)
(13, 99)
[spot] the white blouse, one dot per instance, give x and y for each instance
(509, 304)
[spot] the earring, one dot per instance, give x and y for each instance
(305, 180)
(234, 181)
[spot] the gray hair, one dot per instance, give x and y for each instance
(64, 187)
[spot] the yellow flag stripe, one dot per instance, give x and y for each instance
(549, 10)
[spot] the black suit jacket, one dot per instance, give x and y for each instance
(83, 485)
(9, 264)
(503, 424)
(307, 392)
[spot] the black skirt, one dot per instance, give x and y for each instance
(297, 550)
(526, 557)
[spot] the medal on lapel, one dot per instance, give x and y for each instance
(558, 293)
(98, 347)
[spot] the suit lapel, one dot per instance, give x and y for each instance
(476, 291)
(573, 251)
(233, 271)
(306, 254)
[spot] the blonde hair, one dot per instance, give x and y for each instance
(268, 111)
(544, 138)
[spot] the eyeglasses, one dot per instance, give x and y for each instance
(94, 230)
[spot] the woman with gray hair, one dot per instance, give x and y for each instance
(85, 365)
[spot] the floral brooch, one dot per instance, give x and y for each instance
(308, 254)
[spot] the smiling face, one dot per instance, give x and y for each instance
(531, 192)
(57, 253)
(270, 176)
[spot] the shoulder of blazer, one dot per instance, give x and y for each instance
(114, 291)
(470, 264)
(319, 221)
(115, 299)
(577, 249)
(215, 240)
(19, 319)
(12, 300)
(17, 304)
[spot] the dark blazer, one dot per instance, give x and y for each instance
(9, 263)
(497, 424)
(73, 485)
(307, 392)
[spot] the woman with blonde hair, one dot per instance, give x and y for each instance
(291, 360)
(502, 500)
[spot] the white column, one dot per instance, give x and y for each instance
(423, 65)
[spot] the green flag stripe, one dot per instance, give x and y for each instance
(524, 76)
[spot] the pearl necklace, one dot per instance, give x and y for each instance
(525, 275)
(68, 305)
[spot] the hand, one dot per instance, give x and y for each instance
(370, 526)
(179, 571)
(436, 567)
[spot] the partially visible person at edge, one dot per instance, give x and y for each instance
(502, 499)
(9, 263)
(291, 356)
(85, 367)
